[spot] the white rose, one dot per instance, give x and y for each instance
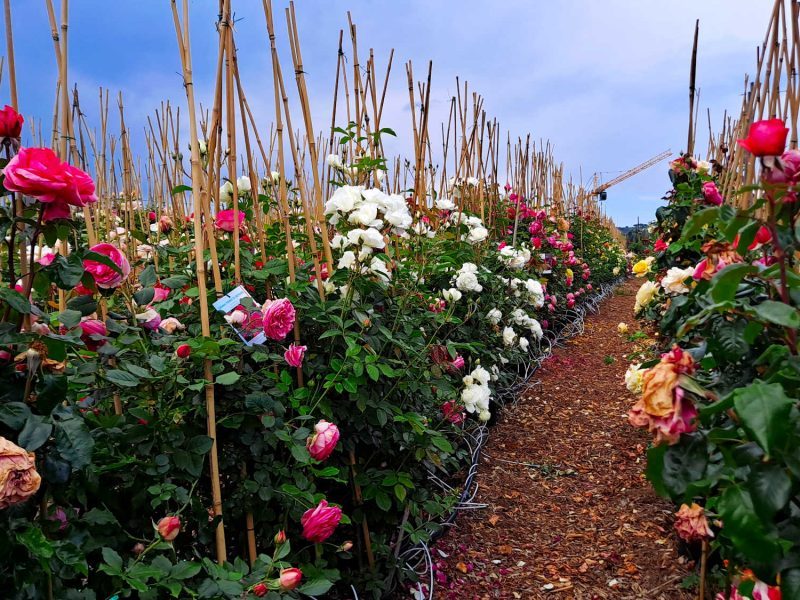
(334, 161)
(633, 378)
(243, 184)
(508, 336)
(347, 260)
(451, 295)
(444, 204)
(478, 234)
(494, 316)
(674, 280)
(523, 344)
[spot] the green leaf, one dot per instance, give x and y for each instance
(98, 516)
(685, 463)
(66, 271)
(373, 372)
(300, 454)
(778, 313)
(315, 587)
(122, 378)
(181, 188)
(199, 444)
(725, 282)
(148, 276)
(178, 281)
(744, 528)
(770, 488)
(764, 410)
(103, 260)
(112, 559)
(698, 220)
(74, 442)
(14, 414)
(35, 433)
(185, 570)
(69, 318)
(15, 300)
(36, 543)
(227, 378)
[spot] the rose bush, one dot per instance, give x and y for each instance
(724, 294)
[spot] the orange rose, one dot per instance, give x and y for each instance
(657, 386)
(18, 477)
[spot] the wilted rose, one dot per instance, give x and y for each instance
(19, 479)
(691, 523)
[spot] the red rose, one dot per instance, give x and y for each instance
(260, 590)
(290, 578)
(10, 122)
(766, 138)
(183, 351)
(225, 220)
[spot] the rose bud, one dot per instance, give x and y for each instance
(346, 547)
(138, 548)
(152, 216)
(183, 351)
(260, 590)
(320, 522)
(294, 355)
(280, 538)
(169, 527)
(290, 578)
(10, 123)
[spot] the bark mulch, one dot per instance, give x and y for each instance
(570, 513)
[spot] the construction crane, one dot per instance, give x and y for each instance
(600, 190)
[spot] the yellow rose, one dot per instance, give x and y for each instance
(645, 295)
(622, 328)
(641, 268)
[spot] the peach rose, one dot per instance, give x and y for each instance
(19, 479)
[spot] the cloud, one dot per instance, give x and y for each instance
(606, 82)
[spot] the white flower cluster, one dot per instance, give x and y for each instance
(445, 204)
(513, 258)
(243, 186)
(364, 242)
(532, 289)
(476, 393)
(368, 207)
(466, 278)
(521, 318)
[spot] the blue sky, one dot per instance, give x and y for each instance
(605, 81)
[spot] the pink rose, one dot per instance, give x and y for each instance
(691, 523)
(319, 523)
(19, 479)
(290, 578)
(452, 412)
(766, 138)
(104, 276)
(93, 333)
(278, 318)
(322, 444)
(169, 528)
(225, 220)
(711, 193)
(165, 224)
(40, 173)
(294, 355)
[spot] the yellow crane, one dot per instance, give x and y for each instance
(600, 190)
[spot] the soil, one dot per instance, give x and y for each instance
(570, 513)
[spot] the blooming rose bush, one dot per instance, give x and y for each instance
(333, 426)
(724, 293)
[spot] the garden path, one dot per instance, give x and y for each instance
(570, 514)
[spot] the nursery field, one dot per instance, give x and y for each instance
(265, 358)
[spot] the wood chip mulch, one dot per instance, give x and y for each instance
(570, 513)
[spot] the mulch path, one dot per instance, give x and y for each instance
(570, 514)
